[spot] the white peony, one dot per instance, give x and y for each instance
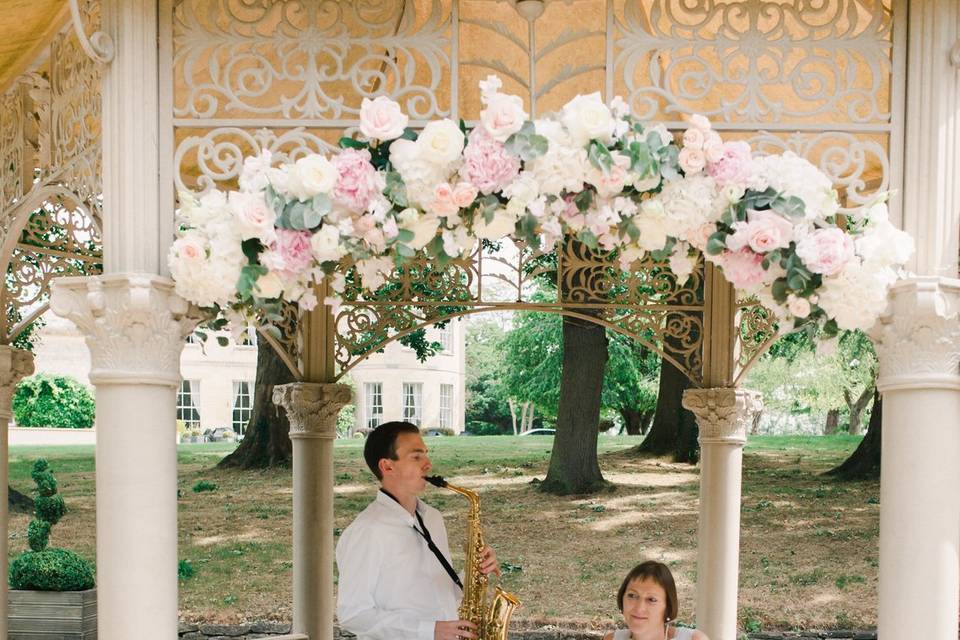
(565, 164)
(503, 116)
(792, 175)
(586, 118)
(382, 119)
(856, 296)
(254, 176)
(441, 142)
(502, 225)
(420, 175)
(524, 188)
(883, 245)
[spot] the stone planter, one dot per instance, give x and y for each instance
(52, 615)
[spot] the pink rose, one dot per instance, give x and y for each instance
(693, 137)
(712, 146)
(190, 250)
(253, 217)
(799, 307)
(443, 203)
(382, 119)
(357, 181)
(294, 253)
(464, 194)
(825, 251)
(692, 160)
(733, 166)
(487, 164)
(700, 122)
(767, 230)
(744, 269)
(698, 237)
(503, 116)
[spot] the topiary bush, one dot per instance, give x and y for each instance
(41, 568)
(53, 401)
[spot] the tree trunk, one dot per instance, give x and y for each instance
(856, 409)
(632, 421)
(833, 422)
(267, 440)
(526, 414)
(573, 463)
(674, 430)
(864, 463)
(755, 425)
(513, 414)
(645, 420)
(18, 502)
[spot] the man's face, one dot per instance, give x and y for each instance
(406, 473)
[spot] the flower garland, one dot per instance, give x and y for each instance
(591, 171)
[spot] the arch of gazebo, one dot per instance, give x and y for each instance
(132, 99)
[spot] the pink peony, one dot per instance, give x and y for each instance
(358, 181)
(744, 269)
(733, 166)
(826, 251)
(487, 164)
(292, 253)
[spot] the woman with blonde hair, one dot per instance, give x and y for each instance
(648, 601)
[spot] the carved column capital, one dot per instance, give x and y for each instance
(723, 414)
(134, 325)
(918, 336)
(312, 407)
(15, 365)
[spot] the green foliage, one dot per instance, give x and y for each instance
(185, 570)
(51, 570)
(483, 429)
(42, 568)
(53, 401)
(204, 485)
(345, 420)
(487, 397)
(38, 534)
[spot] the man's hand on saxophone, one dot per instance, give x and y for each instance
(488, 562)
(455, 630)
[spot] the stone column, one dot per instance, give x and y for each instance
(918, 347)
(312, 409)
(15, 364)
(134, 326)
(723, 415)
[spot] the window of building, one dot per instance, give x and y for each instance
(242, 405)
(445, 337)
(446, 406)
(413, 402)
(188, 399)
(373, 403)
(248, 338)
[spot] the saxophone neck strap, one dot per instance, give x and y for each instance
(425, 534)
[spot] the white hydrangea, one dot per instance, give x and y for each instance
(792, 175)
(856, 296)
(564, 165)
(689, 204)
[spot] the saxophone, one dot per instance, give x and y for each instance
(491, 619)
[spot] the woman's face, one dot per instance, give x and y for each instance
(645, 609)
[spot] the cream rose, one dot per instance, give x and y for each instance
(382, 119)
(254, 219)
(325, 244)
(503, 116)
(424, 229)
(269, 285)
(441, 142)
(502, 225)
(313, 174)
(586, 118)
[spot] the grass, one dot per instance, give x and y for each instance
(808, 543)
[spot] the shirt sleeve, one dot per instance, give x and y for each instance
(359, 558)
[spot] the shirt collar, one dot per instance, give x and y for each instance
(395, 508)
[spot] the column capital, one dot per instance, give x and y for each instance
(918, 336)
(723, 413)
(134, 325)
(312, 407)
(15, 365)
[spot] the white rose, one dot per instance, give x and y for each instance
(587, 118)
(424, 229)
(269, 285)
(325, 244)
(502, 225)
(254, 219)
(692, 160)
(314, 175)
(503, 116)
(382, 119)
(441, 142)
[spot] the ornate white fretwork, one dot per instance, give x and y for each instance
(918, 339)
(134, 324)
(723, 414)
(312, 408)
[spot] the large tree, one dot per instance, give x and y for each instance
(864, 462)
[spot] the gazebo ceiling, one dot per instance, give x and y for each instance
(25, 27)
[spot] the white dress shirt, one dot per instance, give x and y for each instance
(391, 586)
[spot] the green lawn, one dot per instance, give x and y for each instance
(808, 551)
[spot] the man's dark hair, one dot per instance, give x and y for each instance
(382, 443)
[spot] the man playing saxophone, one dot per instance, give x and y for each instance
(396, 581)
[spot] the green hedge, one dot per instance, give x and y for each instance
(51, 570)
(53, 401)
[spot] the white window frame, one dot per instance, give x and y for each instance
(372, 404)
(413, 402)
(445, 338)
(446, 406)
(188, 403)
(242, 391)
